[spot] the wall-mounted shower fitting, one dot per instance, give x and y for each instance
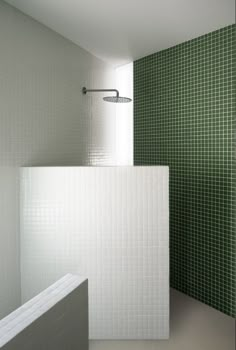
(115, 99)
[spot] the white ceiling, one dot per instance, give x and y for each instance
(120, 31)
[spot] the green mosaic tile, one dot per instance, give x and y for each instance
(184, 117)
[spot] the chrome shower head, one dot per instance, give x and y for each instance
(114, 99)
(117, 99)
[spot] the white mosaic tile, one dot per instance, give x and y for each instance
(109, 224)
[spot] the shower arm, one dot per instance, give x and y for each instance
(84, 90)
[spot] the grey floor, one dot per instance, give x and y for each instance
(193, 325)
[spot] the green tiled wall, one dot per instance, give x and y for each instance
(184, 113)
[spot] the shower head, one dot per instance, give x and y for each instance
(117, 99)
(114, 99)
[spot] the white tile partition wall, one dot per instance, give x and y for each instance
(111, 225)
(56, 319)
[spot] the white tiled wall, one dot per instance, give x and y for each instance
(45, 120)
(109, 224)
